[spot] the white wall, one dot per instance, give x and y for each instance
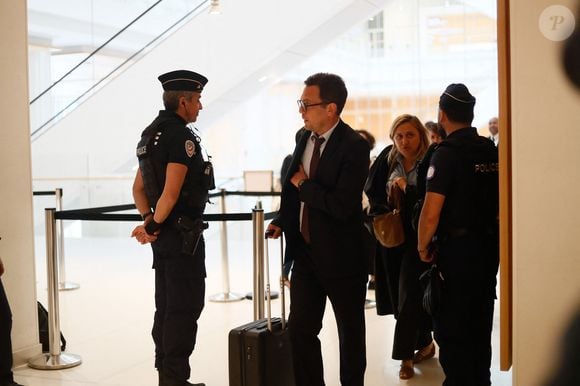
(17, 244)
(546, 179)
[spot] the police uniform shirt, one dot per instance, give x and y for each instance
(447, 175)
(174, 142)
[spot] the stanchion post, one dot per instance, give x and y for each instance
(258, 228)
(55, 359)
(225, 296)
(63, 285)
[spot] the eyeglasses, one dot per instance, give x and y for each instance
(304, 106)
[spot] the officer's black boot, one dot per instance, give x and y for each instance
(164, 380)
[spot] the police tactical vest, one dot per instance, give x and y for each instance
(198, 180)
(153, 187)
(479, 166)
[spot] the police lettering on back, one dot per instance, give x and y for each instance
(489, 167)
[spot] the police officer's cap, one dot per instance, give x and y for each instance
(457, 97)
(182, 80)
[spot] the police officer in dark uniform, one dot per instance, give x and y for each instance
(458, 228)
(170, 191)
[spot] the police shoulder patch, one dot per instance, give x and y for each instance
(190, 148)
(430, 172)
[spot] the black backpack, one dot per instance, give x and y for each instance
(43, 329)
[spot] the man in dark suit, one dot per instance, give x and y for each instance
(493, 126)
(322, 220)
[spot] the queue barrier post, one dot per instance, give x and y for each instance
(226, 296)
(63, 285)
(55, 359)
(258, 244)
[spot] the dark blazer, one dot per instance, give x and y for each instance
(334, 197)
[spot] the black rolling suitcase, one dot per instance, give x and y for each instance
(259, 352)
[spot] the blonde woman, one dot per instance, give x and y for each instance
(398, 290)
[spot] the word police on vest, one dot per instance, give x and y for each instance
(489, 167)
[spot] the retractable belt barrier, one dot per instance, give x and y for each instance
(55, 358)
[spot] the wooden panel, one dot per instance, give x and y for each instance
(505, 209)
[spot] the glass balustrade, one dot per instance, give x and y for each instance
(76, 46)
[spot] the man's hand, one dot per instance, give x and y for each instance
(273, 231)
(142, 236)
(298, 176)
(426, 255)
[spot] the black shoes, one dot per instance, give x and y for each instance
(167, 381)
(180, 383)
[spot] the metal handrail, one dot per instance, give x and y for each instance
(95, 51)
(37, 132)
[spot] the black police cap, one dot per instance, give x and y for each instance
(182, 80)
(457, 97)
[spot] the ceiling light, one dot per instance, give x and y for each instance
(214, 8)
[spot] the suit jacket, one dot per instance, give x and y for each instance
(334, 197)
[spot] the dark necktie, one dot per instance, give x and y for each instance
(304, 227)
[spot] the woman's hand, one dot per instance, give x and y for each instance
(401, 182)
(397, 187)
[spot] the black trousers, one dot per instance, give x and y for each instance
(309, 292)
(413, 327)
(399, 292)
(464, 323)
(5, 339)
(179, 300)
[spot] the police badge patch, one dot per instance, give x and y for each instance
(430, 172)
(190, 148)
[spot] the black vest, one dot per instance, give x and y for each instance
(475, 206)
(153, 166)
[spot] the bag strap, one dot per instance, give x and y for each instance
(395, 199)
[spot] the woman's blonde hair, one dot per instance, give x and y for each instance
(423, 137)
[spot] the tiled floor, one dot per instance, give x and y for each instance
(107, 321)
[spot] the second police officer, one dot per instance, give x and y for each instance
(170, 192)
(460, 218)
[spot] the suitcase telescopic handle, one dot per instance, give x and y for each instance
(268, 291)
(282, 293)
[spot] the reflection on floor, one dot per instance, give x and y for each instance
(107, 321)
